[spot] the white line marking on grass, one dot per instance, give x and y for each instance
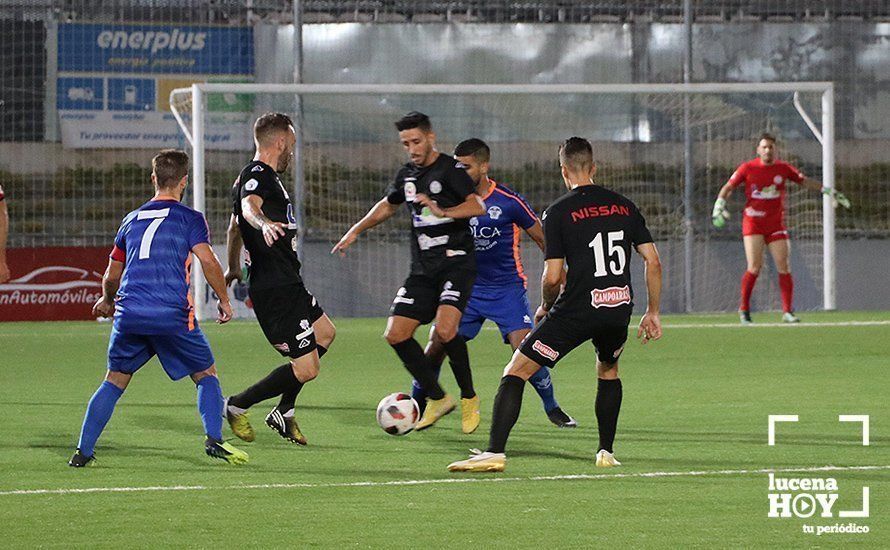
(815, 324)
(440, 481)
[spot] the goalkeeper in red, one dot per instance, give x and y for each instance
(763, 220)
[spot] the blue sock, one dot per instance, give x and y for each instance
(99, 411)
(210, 405)
(543, 384)
(417, 392)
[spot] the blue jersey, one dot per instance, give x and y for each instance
(155, 243)
(497, 233)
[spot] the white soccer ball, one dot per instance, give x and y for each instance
(397, 413)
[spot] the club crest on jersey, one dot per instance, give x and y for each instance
(613, 296)
(435, 187)
(545, 350)
(410, 191)
(251, 184)
(777, 179)
(495, 212)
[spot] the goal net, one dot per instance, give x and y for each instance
(348, 153)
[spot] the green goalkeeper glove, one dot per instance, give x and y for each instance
(720, 215)
(837, 198)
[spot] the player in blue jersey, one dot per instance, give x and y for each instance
(146, 288)
(499, 293)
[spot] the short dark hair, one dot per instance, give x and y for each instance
(767, 136)
(414, 119)
(169, 167)
(269, 124)
(576, 154)
(473, 146)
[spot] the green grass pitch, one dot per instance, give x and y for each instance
(694, 417)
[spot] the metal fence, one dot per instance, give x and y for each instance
(64, 189)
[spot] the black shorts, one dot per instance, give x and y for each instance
(421, 295)
(286, 315)
(556, 336)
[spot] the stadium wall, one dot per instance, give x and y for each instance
(358, 293)
(853, 53)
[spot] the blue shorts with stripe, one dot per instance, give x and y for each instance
(181, 354)
(506, 306)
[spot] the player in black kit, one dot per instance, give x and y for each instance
(590, 230)
(440, 197)
(293, 322)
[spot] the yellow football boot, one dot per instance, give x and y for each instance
(435, 409)
(469, 414)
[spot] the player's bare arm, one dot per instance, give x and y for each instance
(536, 232)
(472, 206)
(252, 210)
(234, 243)
(650, 324)
(815, 185)
(551, 285)
(378, 214)
(214, 274)
(111, 280)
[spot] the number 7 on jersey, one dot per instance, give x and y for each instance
(157, 217)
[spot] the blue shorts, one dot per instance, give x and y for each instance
(506, 306)
(180, 354)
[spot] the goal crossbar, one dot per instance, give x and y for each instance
(195, 134)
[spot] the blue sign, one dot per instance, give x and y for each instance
(81, 94)
(158, 49)
(131, 94)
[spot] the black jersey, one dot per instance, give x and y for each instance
(594, 230)
(437, 243)
(268, 266)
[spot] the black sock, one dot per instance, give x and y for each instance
(459, 359)
(608, 404)
(418, 365)
(280, 380)
(289, 398)
(507, 403)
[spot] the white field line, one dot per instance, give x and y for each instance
(816, 324)
(441, 481)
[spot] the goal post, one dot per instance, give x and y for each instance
(346, 124)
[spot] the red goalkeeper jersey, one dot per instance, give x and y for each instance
(765, 187)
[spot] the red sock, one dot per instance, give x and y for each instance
(786, 285)
(748, 280)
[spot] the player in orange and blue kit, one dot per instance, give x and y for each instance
(146, 288)
(499, 293)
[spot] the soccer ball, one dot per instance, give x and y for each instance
(397, 413)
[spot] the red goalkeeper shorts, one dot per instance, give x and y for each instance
(772, 229)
